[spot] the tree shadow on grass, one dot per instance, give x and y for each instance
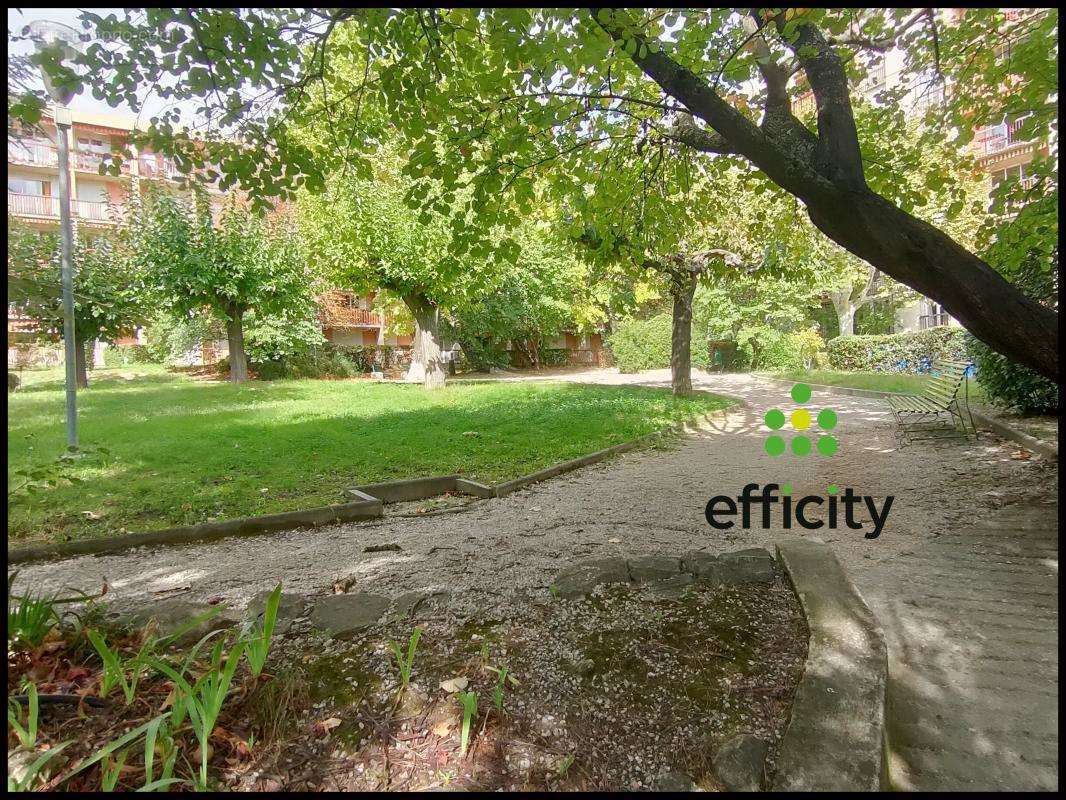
(216, 459)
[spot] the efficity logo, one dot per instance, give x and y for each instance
(722, 510)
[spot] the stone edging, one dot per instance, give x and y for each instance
(989, 423)
(362, 505)
(835, 740)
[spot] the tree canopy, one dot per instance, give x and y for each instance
(495, 101)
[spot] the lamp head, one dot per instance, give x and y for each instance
(56, 42)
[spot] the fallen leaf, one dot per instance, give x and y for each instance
(326, 725)
(1020, 455)
(442, 729)
(456, 684)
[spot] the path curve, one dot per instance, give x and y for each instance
(963, 578)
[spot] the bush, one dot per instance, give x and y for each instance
(554, 357)
(334, 362)
(784, 352)
(639, 344)
(898, 352)
(125, 354)
(282, 336)
(482, 354)
(1012, 386)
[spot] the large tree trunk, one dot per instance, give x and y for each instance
(826, 172)
(238, 361)
(845, 311)
(81, 363)
(682, 290)
(427, 359)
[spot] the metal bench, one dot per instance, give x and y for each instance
(919, 416)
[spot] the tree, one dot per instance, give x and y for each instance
(110, 296)
(489, 96)
(365, 237)
(246, 262)
(545, 292)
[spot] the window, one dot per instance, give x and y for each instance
(27, 186)
(89, 144)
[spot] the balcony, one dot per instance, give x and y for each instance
(933, 320)
(152, 166)
(39, 207)
(36, 153)
(90, 162)
(998, 138)
(31, 153)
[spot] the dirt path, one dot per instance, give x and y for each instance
(940, 556)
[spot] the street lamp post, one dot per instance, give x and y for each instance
(59, 41)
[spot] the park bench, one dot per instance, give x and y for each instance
(919, 415)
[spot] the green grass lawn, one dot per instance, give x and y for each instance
(184, 451)
(877, 381)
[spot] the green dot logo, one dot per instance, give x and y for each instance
(775, 445)
(801, 419)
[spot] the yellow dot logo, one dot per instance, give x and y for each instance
(801, 419)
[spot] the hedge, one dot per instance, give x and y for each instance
(334, 361)
(1010, 385)
(783, 352)
(639, 344)
(898, 352)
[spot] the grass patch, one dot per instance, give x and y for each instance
(183, 451)
(876, 381)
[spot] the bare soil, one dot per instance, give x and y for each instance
(607, 693)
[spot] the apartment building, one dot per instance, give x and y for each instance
(95, 199)
(348, 319)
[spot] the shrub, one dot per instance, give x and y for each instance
(334, 362)
(782, 352)
(122, 355)
(275, 337)
(555, 357)
(482, 354)
(638, 344)
(898, 352)
(1012, 386)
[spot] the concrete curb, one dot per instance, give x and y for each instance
(363, 508)
(424, 488)
(1045, 449)
(988, 423)
(366, 502)
(835, 740)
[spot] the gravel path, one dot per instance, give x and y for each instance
(968, 602)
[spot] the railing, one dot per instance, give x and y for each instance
(35, 154)
(32, 205)
(933, 320)
(91, 162)
(363, 316)
(996, 138)
(41, 207)
(91, 210)
(149, 166)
